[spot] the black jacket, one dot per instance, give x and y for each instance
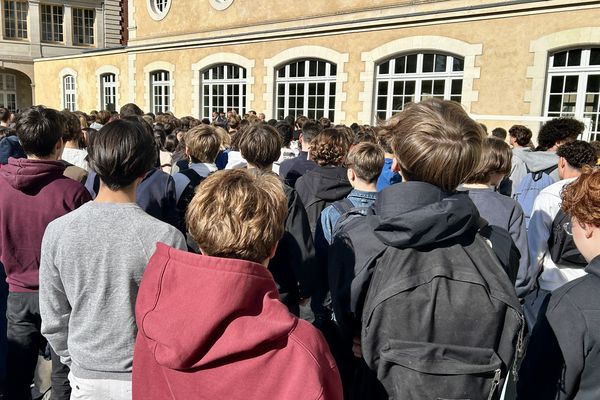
(319, 188)
(292, 169)
(563, 356)
(293, 266)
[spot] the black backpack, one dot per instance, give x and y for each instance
(441, 323)
(348, 212)
(185, 199)
(561, 246)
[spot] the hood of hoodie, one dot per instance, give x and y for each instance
(328, 183)
(30, 176)
(197, 310)
(536, 160)
(418, 214)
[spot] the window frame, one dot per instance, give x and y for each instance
(213, 83)
(69, 92)
(418, 77)
(5, 91)
(85, 32)
(15, 12)
(165, 95)
(53, 24)
(108, 89)
(158, 11)
(328, 80)
(582, 71)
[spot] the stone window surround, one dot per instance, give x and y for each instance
(108, 69)
(61, 75)
(154, 13)
(418, 44)
(304, 52)
(541, 49)
(216, 59)
(154, 66)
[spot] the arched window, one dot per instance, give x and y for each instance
(306, 87)
(573, 88)
(8, 91)
(108, 91)
(69, 91)
(160, 91)
(223, 89)
(415, 77)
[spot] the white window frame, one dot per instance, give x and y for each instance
(85, 30)
(13, 17)
(327, 79)
(69, 85)
(583, 71)
(213, 82)
(5, 91)
(108, 90)
(158, 9)
(160, 91)
(418, 77)
(55, 28)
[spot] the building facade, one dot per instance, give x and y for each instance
(37, 29)
(352, 61)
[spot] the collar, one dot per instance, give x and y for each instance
(361, 194)
(594, 266)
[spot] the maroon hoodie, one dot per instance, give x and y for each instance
(32, 194)
(213, 328)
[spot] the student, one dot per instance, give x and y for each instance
(92, 263)
(72, 153)
(364, 163)
(294, 168)
(562, 360)
(33, 192)
(202, 144)
(497, 209)
(550, 276)
(232, 338)
(293, 265)
(387, 176)
(406, 280)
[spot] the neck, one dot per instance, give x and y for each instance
(123, 195)
(51, 157)
(268, 168)
(364, 187)
(476, 186)
(570, 173)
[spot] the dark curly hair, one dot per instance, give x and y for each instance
(329, 147)
(558, 130)
(521, 133)
(578, 153)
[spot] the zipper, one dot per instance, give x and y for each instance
(495, 383)
(520, 350)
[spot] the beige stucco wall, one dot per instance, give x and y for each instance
(500, 84)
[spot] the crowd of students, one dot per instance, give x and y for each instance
(155, 257)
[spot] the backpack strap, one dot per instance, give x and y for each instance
(343, 206)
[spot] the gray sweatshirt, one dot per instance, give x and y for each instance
(91, 266)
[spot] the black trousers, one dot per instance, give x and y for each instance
(24, 342)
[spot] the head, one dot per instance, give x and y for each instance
(494, 164)
(384, 139)
(4, 116)
(122, 151)
(103, 117)
(238, 214)
(329, 147)
(159, 136)
(499, 133)
(262, 117)
(171, 142)
(573, 156)
(40, 131)
(325, 122)
(72, 126)
(260, 145)
(520, 136)
(435, 141)
(365, 162)
(202, 144)
(130, 110)
(310, 130)
(557, 132)
(286, 132)
(581, 200)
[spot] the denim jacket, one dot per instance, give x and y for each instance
(330, 216)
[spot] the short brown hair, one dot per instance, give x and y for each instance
(581, 198)
(435, 141)
(238, 214)
(203, 143)
(260, 145)
(521, 133)
(366, 159)
(496, 157)
(329, 147)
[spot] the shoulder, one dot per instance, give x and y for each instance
(312, 343)
(578, 294)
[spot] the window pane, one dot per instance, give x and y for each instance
(438, 88)
(400, 65)
(574, 58)
(384, 68)
(593, 84)
(571, 83)
(456, 86)
(409, 87)
(440, 63)
(557, 83)
(458, 64)
(560, 59)
(555, 103)
(428, 62)
(595, 57)
(411, 64)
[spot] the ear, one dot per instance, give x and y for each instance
(187, 151)
(351, 174)
(587, 228)
(395, 165)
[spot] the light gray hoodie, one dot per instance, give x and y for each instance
(525, 159)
